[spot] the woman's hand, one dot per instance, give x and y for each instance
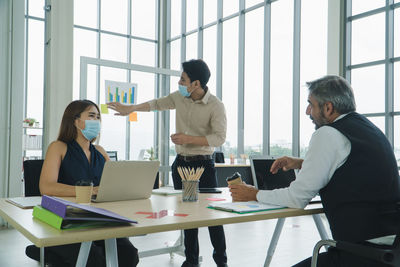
(95, 190)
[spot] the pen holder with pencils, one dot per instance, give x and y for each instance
(190, 191)
(190, 183)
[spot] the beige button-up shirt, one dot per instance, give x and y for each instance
(205, 117)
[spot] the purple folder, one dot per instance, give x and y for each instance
(72, 211)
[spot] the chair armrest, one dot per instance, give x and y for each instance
(384, 240)
(370, 252)
(317, 247)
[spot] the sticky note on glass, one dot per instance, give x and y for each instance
(104, 109)
(133, 116)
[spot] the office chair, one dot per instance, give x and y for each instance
(384, 253)
(113, 155)
(157, 181)
(218, 157)
(32, 170)
(385, 249)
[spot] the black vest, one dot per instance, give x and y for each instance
(366, 186)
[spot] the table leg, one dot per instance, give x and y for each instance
(178, 248)
(42, 257)
(83, 254)
(111, 252)
(274, 241)
(321, 228)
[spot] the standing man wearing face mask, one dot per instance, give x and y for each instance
(200, 126)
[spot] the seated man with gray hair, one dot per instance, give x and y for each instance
(350, 163)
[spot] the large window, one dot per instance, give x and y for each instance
(34, 64)
(372, 63)
(123, 31)
(210, 55)
(249, 47)
(255, 36)
(230, 83)
(253, 83)
(313, 63)
(281, 78)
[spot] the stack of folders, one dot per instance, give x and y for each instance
(63, 214)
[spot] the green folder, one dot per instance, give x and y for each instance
(47, 216)
(58, 222)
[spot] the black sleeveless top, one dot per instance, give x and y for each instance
(362, 194)
(75, 166)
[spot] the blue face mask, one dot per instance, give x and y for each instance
(92, 129)
(183, 90)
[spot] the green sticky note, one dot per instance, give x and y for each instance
(104, 108)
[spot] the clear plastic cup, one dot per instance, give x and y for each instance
(190, 191)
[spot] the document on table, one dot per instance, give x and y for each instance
(25, 202)
(244, 207)
(166, 190)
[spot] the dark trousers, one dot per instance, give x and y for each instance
(217, 235)
(336, 258)
(67, 255)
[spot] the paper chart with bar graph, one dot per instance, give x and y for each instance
(125, 93)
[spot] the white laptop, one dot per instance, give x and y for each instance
(127, 180)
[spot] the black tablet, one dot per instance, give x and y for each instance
(262, 177)
(210, 190)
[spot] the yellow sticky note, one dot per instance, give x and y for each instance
(133, 116)
(104, 109)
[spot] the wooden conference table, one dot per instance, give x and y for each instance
(167, 216)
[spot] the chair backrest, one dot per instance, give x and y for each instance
(218, 157)
(157, 181)
(113, 155)
(32, 170)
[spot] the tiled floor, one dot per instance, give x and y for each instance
(247, 244)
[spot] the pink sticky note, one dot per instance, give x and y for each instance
(161, 214)
(180, 214)
(215, 199)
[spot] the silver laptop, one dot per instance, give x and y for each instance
(127, 180)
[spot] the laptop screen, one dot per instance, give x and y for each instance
(262, 177)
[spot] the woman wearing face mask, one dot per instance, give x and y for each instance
(71, 158)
